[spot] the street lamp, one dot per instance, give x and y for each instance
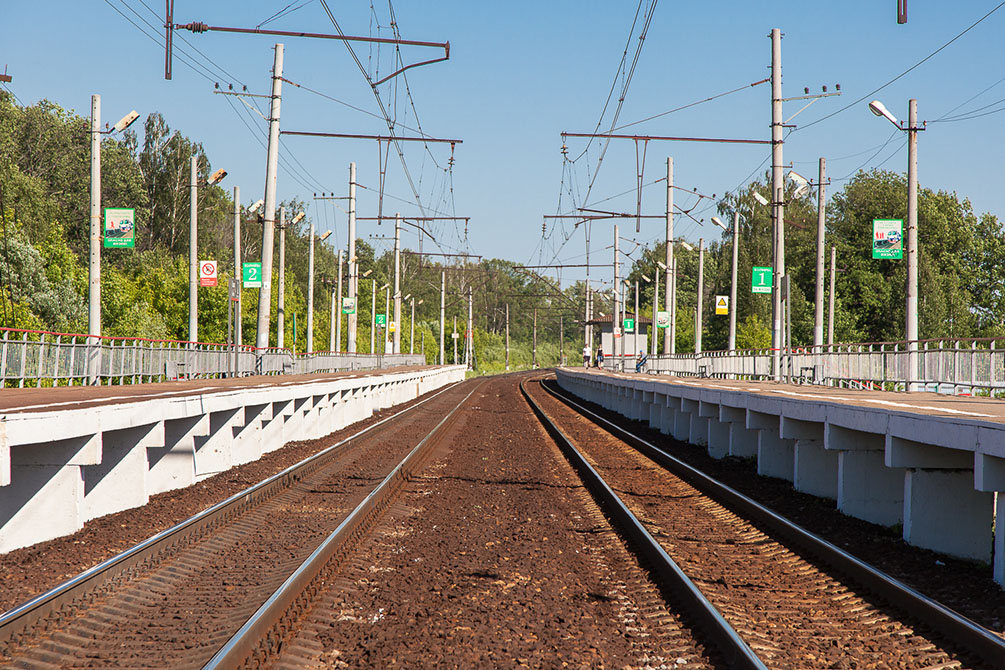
(94, 233)
(193, 242)
(911, 247)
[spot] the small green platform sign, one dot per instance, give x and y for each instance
(251, 275)
(348, 305)
(760, 281)
(629, 325)
(380, 319)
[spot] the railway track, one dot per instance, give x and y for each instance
(225, 587)
(766, 592)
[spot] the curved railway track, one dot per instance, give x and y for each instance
(767, 592)
(180, 597)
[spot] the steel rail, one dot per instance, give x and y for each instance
(955, 626)
(16, 621)
(263, 634)
(728, 642)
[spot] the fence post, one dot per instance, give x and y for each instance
(973, 365)
(24, 361)
(991, 368)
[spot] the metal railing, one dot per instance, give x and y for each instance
(42, 358)
(953, 366)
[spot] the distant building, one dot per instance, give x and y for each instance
(633, 341)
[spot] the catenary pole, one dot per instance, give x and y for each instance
(353, 263)
(238, 338)
(397, 284)
(281, 297)
(701, 289)
(411, 335)
(638, 321)
(732, 284)
(454, 338)
(818, 312)
(268, 229)
(777, 195)
(94, 235)
(193, 250)
(443, 315)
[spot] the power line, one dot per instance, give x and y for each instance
(913, 67)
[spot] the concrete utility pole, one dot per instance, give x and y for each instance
(453, 336)
(778, 199)
(587, 329)
(353, 262)
(387, 310)
(507, 336)
(830, 309)
(701, 290)
(561, 341)
(732, 284)
(397, 285)
(238, 272)
(670, 337)
(310, 292)
(614, 314)
(281, 298)
(193, 250)
(534, 350)
(94, 235)
(818, 312)
(911, 322)
(411, 335)
(268, 229)
(469, 336)
(656, 306)
(443, 315)
(373, 313)
(337, 308)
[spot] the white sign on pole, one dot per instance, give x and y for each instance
(722, 304)
(207, 273)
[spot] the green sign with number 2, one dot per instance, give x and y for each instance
(251, 274)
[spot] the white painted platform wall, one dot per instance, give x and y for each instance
(939, 477)
(60, 469)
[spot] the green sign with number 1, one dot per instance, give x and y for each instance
(760, 281)
(251, 274)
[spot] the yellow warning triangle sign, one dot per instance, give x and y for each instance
(721, 304)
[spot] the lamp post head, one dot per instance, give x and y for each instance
(216, 177)
(298, 218)
(125, 121)
(879, 109)
(717, 221)
(760, 198)
(686, 245)
(325, 235)
(257, 206)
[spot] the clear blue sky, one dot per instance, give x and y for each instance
(520, 73)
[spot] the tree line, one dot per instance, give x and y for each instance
(44, 186)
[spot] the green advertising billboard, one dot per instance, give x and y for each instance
(120, 228)
(888, 238)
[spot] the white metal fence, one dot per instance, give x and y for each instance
(35, 358)
(944, 366)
